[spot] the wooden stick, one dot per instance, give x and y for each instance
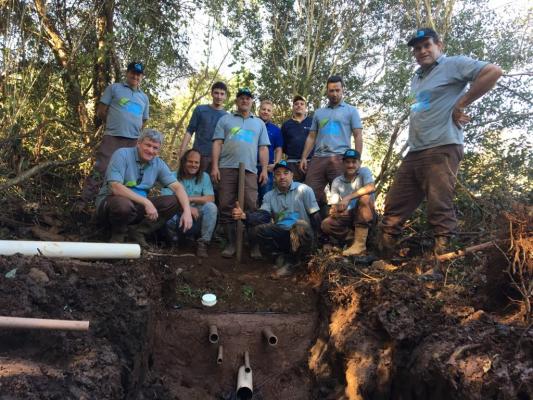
(240, 226)
(37, 323)
(462, 253)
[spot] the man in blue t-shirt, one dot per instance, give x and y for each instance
(124, 202)
(437, 118)
(124, 109)
(294, 133)
(198, 186)
(331, 132)
(352, 204)
(275, 150)
(202, 125)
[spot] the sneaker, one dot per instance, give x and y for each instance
(286, 270)
(201, 249)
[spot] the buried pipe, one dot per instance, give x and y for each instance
(220, 356)
(245, 389)
(213, 334)
(70, 249)
(269, 336)
(247, 367)
(37, 323)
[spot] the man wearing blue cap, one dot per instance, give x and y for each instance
(124, 109)
(352, 204)
(237, 138)
(437, 120)
(284, 224)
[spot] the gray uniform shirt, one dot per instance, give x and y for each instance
(286, 208)
(125, 167)
(343, 187)
(202, 124)
(334, 127)
(434, 93)
(241, 137)
(128, 108)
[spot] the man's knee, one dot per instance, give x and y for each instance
(325, 226)
(209, 209)
(120, 206)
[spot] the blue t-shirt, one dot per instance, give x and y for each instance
(334, 127)
(294, 134)
(435, 92)
(241, 137)
(128, 108)
(203, 187)
(125, 167)
(274, 135)
(202, 124)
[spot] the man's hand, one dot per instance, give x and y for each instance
(237, 213)
(195, 213)
(270, 167)
(303, 165)
(343, 204)
(263, 177)
(150, 211)
(215, 174)
(185, 221)
(459, 117)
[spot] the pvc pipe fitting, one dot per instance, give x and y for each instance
(271, 339)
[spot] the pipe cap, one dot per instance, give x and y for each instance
(209, 299)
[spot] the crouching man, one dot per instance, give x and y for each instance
(285, 223)
(198, 187)
(352, 204)
(123, 203)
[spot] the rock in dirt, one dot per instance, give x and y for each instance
(38, 276)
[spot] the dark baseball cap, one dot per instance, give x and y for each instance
(245, 92)
(421, 34)
(135, 66)
(282, 164)
(351, 153)
(298, 97)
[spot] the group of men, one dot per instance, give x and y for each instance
(318, 192)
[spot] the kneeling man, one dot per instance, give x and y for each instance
(352, 204)
(285, 222)
(123, 202)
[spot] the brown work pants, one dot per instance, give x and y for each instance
(119, 211)
(205, 164)
(429, 174)
(320, 172)
(298, 175)
(105, 150)
(228, 189)
(361, 215)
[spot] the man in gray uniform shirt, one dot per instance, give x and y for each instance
(435, 140)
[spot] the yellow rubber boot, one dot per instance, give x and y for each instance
(359, 242)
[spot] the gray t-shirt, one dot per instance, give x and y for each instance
(334, 127)
(128, 108)
(125, 167)
(241, 136)
(287, 208)
(202, 124)
(434, 93)
(343, 187)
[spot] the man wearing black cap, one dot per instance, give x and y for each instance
(283, 226)
(237, 138)
(440, 96)
(294, 132)
(352, 204)
(124, 108)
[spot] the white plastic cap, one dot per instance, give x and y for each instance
(209, 299)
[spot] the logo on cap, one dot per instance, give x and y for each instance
(350, 153)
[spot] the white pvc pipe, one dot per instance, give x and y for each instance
(245, 386)
(70, 249)
(37, 323)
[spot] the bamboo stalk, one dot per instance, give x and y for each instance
(240, 225)
(38, 323)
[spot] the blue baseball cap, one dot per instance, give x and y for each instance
(351, 153)
(245, 92)
(135, 66)
(421, 34)
(282, 164)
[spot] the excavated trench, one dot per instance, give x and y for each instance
(347, 332)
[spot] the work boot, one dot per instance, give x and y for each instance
(287, 269)
(138, 232)
(255, 253)
(118, 234)
(441, 246)
(359, 242)
(229, 249)
(201, 249)
(386, 244)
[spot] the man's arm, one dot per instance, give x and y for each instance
(278, 153)
(367, 189)
(119, 189)
(263, 161)
(309, 144)
(202, 199)
(358, 139)
(184, 143)
(101, 111)
(215, 156)
(181, 194)
(485, 81)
